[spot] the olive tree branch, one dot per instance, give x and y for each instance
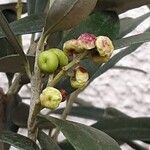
(19, 9)
(35, 105)
(36, 83)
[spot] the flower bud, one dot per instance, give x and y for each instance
(50, 98)
(104, 46)
(80, 78)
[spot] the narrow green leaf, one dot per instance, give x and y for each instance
(41, 6)
(112, 112)
(36, 6)
(47, 142)
(5, 46)
(18, 141)
(135, 39)
(115, 59)
(10, 37)
(125, 128)
(14, 63)
(61, 13)
(100, 23)
(54, 39)
(13, 41)
(84, 112)
(120, 6)
(27, 25)
(83, 137)
(129, 24)
(65, 145)
(31, 6)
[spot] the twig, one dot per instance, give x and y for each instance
(59, 76)
(67, 110)
(83, 103)
(32, 39)
(16, 85)
(19, 9)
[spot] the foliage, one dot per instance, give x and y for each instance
(55, 22)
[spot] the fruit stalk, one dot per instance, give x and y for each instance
(60, 75)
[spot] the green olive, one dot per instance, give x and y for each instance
(63, 59)
(48, 62)
(50, 98)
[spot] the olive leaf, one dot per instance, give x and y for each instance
(65, 14)
(82, 137)
(19, 141)
(14, 63)
(132, 40)
(120, 6)
(36, 6)
(46, 142)
(31, 6)
(128, 24)
(99, 23)
(12, 39)
(83, 112)
(125, 128)
(5, 47)
(26, 25)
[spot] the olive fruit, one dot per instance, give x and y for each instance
(50, 60)
(50, 98)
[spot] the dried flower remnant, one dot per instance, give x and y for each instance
(80, 78)
(104, 46)
(85, 41)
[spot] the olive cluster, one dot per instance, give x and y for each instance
(99, 49)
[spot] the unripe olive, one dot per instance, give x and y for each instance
(50, 98)
(63, 59)
(48, 62)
